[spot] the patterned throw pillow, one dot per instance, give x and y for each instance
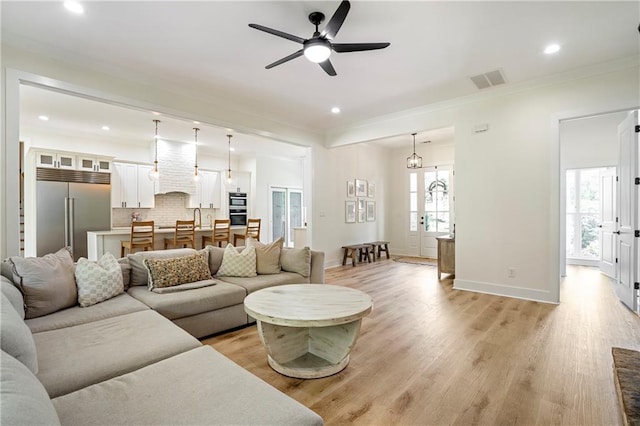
(98, 281)
(236, 264)
(178, 270)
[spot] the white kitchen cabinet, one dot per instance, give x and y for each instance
(242, 182)
(146, 187)
(94, 164)
(55, 160)
(207, 194)
(131, 186)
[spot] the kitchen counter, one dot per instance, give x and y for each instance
(101, 242)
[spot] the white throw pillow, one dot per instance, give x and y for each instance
(98, 281)
(236, 264)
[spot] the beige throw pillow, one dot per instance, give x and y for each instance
(236, 264)
(267, 256)
(98, 281)
(296, 260)
(47, 283)
(178, 270)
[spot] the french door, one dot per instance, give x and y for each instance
(431, 211)
(285, 213)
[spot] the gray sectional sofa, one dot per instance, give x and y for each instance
(135, 358)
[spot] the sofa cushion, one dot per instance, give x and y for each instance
(47, 283)
(105, 349)
(98, 281)
(139, 272)
(236, 264)
(207, 387)
(296, 260)
(22, 397)
(264, 281)
(186, 303)
(13, 295)
(126, 271)
(267, 255)
(119, 305)
(178, 270)
(16, 338)
(215, 258)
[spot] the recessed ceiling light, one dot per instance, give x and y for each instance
(105, 128)
(43, 118)
(155, 113)
(232, 149)
(335, 110)
(74, 7)
(229, 130)
(196, 122)
(551, 49)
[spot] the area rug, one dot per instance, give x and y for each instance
(416, 260)
(626, 370)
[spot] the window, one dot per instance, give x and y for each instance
(413, 201)
(583, 213)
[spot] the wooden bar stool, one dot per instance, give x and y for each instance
(185, 235)
(252, 230)
(142, 236)
(219, 234)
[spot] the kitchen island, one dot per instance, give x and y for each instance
(101, 242)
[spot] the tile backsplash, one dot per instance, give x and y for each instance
(168, 208)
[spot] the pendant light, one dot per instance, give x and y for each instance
(196, 176)
(154, 174)
(414, 161)
(229, 177)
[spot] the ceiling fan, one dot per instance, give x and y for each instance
(318, 48)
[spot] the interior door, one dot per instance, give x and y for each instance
(608, 237)
(628, 211)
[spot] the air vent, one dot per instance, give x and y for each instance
(488, 79)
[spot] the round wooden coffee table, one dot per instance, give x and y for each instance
(308, 330)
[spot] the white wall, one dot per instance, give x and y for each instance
(507, 179)
(332, 169)
(590, 142)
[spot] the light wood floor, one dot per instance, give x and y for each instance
(428, 354)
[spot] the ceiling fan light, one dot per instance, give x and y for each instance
(317, 51)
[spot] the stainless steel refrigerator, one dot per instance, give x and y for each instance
(68, 204)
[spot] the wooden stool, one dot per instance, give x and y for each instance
(359, 250)
(219, 234)
(185, 235)
(142, 236)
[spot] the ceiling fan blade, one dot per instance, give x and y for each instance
(278, 33)
(357, 47)
(285, 59)
(328, 68)
(334, 24)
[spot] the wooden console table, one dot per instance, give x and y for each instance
(446, 255)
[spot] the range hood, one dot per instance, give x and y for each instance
(175, 164)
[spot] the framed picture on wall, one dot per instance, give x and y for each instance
(350, 211)
(361, 188)
(371, 211)
(361, 210)
(351, 189)
(371, 190)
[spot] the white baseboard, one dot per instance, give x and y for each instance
(504, 290)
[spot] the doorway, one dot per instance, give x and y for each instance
(431, 211)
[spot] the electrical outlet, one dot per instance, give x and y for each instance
(511, 272)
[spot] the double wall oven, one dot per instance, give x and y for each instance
(238, 208)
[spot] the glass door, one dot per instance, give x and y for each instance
(286, 213)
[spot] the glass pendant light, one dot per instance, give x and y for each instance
(229, 180)
(196, 176)
(414, 161)
(154, 174)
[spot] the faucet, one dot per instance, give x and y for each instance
(198, 224)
